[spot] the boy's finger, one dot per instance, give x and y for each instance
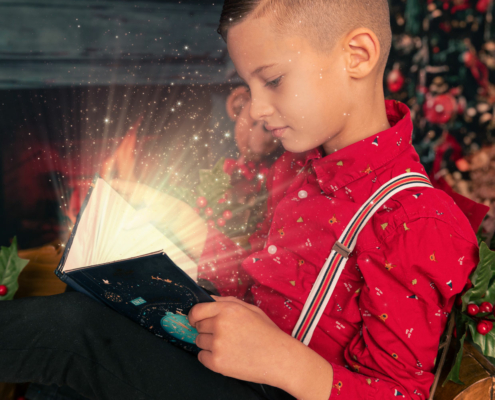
(205, 357)
(202, 311)
(205, 326)
(204, 341)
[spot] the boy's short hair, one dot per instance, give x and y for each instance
(321, 22)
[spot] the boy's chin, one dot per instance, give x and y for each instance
(295, 147)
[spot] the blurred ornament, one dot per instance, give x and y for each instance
(440, 109)
(395, 79)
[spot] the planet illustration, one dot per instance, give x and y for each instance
(178, 326)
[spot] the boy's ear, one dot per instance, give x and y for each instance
(236, 101)
(363, 51)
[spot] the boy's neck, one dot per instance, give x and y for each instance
(366, 119)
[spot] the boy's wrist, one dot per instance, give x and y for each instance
(304, 373)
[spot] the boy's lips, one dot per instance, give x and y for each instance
(277, 132)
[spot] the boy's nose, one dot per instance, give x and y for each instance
(259, 109)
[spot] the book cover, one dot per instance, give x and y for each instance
(137, 272)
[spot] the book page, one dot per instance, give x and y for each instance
(103, 235)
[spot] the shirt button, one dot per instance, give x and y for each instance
(302, 194)
(272, 249)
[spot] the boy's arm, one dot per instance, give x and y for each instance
(411, 282)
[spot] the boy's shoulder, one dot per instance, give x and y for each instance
(427, 205)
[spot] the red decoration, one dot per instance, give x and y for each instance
(196, 210)
(486, 307)
(477, 68)
(473, 309)
(3, 290)
(395, 79)
(484, 327)
(227, 214)
(439, 109)
(208, 211)
(201, 202)
(482, 6)
(221, 222)
(211, 223)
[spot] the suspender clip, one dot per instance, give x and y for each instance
(341, 249)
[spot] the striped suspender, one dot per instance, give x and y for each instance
(330, 273)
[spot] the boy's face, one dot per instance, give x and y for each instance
(311, 99)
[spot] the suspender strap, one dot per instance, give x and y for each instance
(327, 278)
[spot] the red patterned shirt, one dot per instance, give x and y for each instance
(381, 328)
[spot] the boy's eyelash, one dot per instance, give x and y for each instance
(273, 83)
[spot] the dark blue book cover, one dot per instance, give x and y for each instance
(151, 290)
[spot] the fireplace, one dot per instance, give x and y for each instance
(117, 89)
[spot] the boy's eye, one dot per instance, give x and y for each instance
(274, 83)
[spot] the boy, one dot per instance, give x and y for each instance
(315, 71)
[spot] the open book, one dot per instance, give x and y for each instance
(138, 272)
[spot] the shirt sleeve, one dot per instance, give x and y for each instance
(411, 280)
(220, 264)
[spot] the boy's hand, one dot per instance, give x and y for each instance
(239, 340)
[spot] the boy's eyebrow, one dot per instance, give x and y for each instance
(258, 70)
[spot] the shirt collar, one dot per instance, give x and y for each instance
(362, 158)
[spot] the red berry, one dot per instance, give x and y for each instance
(3, 290)
(469, 284)
(221, 222)
(455, 332)
(473, 309)
(458, 300)
(221, 201)
(211, 223)
(208, 211)
(484, 327)
(196, 210)
(486, 307)
(201, 202)
(227, 214)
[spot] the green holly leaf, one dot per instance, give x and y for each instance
(10, 268)
(454, 372)
(480, 236)
(485, 342)
(461, 322)
(481, 278)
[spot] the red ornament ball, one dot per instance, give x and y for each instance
(440, 109)
(473, 309)
(221, 222)
(3, 290)
(486, 307)
(201, 202)
(484, 327)
(395, 80)
(208, 211)
(211, 223)
(196, 210)
(227, 214)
